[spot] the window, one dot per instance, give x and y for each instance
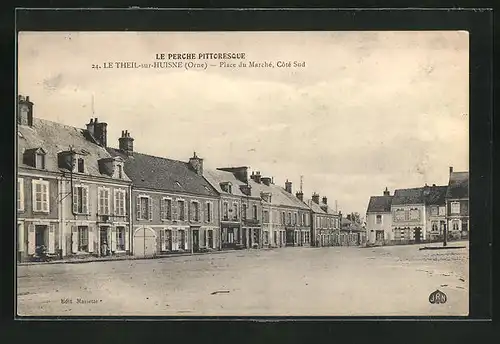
(104, 201)
(295, 219)
(434, 211)
(182, 210)
(303, 219)
(120, 239)
(254, 211)
(379, 219)
(210, 238)
(120, 203)
(225, 212)
(399, 215)
(80, 199)
(455, 207)
(40, 161)
(83, 238)
(20, 194)
(414, 214)
(266, 216)
(235, 211)
(208, 212)
(455, 225)
(442, 211)
(289, 219)
(195, 206)
(166, 209)
(434, 226)
(144, 208)
(229, 188)
(243, 211)
(81, 166)
(465, 225)
(120, 171)
(41, 196)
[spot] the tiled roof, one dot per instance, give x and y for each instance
(152, 172)
(379, 204)
(315, 207)
(279, 196)
(216, 177)
(329, 210)
(458, 186)
(436, 195)
(54, 138)
(408, 196)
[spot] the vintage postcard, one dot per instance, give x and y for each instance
(243, 173)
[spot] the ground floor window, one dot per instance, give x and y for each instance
(120, 238)
(83, 238)
(465, 226)
(168, 239)
(182, 236)
(434, 226)
(275, 237)
(455, 225)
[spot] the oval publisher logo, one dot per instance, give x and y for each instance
(437, 297)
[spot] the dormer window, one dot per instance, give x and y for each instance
(35, 158)
(120, 171)
(227, 187)
(81, 165)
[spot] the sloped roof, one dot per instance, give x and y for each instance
(279, 196)
(54, 138)
(316, 208)
(152, 172)
(436, 195)
(458, 186)
(408, 196)
(329, 210)
(379, 204)
(216, 177)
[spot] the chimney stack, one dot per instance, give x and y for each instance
(386, 192)
(196, 164)
(300, 195)
(24, 111)
(126, 143)
(98, 131)
(315, 198)
(266, 180)
(256, 177)
(325, 200)
(288, 186)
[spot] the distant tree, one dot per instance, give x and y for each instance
(355, 217)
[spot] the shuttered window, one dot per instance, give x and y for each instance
(104, 201)
(181, 210)
(120, 202)
(83, 238)
(120, 239)
(20, 194)
(40, 196)
(144, 208)
(80, 199)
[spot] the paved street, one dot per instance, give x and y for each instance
(330, 281)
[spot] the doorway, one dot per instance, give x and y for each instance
(40, 235)
(244, 237)
(104, 248)
(196, 240)
(418, 234)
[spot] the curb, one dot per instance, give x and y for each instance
(82, 261)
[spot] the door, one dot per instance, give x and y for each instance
(40, 234)
(196, 240)
(169, 239)
(289, 237)
(210, 238)
(144, 242)
(418, 233)
(244, 237)
(103, 240)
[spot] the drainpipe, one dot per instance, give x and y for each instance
(130, 221)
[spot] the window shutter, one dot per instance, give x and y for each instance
(91, 239)
(138, 207)
(85, 199)
(174, 210)
(127, 236)
(115, 202)
(31, 239)
(113, 239)
(162, 238)
(52, 234)
(74, 239)
(33, 195)
(186, 211)
(150, 201)
(211, 212)
(108, 203)
(21, 194)
(162, 208)
(75, 199)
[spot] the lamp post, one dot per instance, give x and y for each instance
(445, 234)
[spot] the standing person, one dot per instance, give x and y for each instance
(104, 249)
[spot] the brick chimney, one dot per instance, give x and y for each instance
(196, 164)
(288, 186)
(98, 130)
(325, 200)
(266, 180)
(126, 143)
(315, 198)
(256, 177)
(386, 192)
(300, 195)
(24, 111)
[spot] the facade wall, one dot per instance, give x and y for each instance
(404, 226)
(325, 229)
(174, 230)
(251, 226)
(379, 227)
(457, 221)
(436, 221)
(230, 221)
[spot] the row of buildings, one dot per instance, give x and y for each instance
(420, 214)
(77, 196)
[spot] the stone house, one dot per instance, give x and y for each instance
(457, 204)
(379, 219)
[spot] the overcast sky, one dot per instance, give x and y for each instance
(369, 110)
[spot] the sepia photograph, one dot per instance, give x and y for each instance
(244, 174)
